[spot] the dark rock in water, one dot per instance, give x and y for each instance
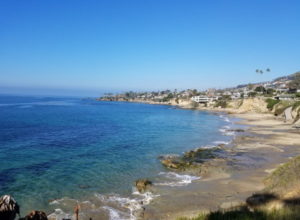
(173, 163)
(168, 156)
(191, 159)
(142, 184)
(236, 130)
(9, 208)
(84, 186)
(201, 154)
(35, 215)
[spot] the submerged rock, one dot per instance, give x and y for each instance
(142, 184)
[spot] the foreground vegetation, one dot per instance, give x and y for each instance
(278, 201)
(243, 213)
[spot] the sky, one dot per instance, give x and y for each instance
(89, 47)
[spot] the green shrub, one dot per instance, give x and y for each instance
(195, 104)
(221, 103)
(252, 94)
(242, 213)
(282, 106)
(260, 89)
(297, 116)
(271, 103)
(296, 105)
(279, 111)
(285, 178)
(168, 98)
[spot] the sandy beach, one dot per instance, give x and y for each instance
(266, 143)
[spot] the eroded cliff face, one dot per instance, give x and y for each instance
(287, 110)
(256, 105)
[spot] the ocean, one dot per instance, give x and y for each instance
(56, 152)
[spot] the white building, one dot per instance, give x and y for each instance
(286, 97)
(204, 99)
(236, 95)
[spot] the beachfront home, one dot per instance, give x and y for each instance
(204, 99)
(236, 95)
(284, 97)
(282, 90)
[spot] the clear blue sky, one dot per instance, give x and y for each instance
(92, 46)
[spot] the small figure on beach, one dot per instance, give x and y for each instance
(9, 208)
(76, 210)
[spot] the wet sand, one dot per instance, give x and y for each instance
(266, 143)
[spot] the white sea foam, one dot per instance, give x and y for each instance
(59, 214)
(115, 206)
(222, 130)
(221, 142)
(176, 179)
(225, 130)
(229, 133)
(133, 205)
(114, 214)
(224, 118)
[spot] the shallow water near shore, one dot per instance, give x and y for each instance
(55, 152)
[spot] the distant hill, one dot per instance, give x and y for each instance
(288, 77)
(282, 78)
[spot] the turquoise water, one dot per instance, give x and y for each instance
(66, 147)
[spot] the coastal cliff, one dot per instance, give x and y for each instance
(287, 110)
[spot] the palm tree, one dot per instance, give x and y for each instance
(9, 208)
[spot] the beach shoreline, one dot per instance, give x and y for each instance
(267, 143)
(258, 143)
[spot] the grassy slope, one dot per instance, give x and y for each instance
(284, 186)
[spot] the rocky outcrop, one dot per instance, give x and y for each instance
(191, 159)
(174, 164)
(257, 105)
(142, 184)
(236, 130)
(35, 215)
(9, 208)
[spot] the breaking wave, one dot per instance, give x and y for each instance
(113, 207)
(221, 142)
(175, 179)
